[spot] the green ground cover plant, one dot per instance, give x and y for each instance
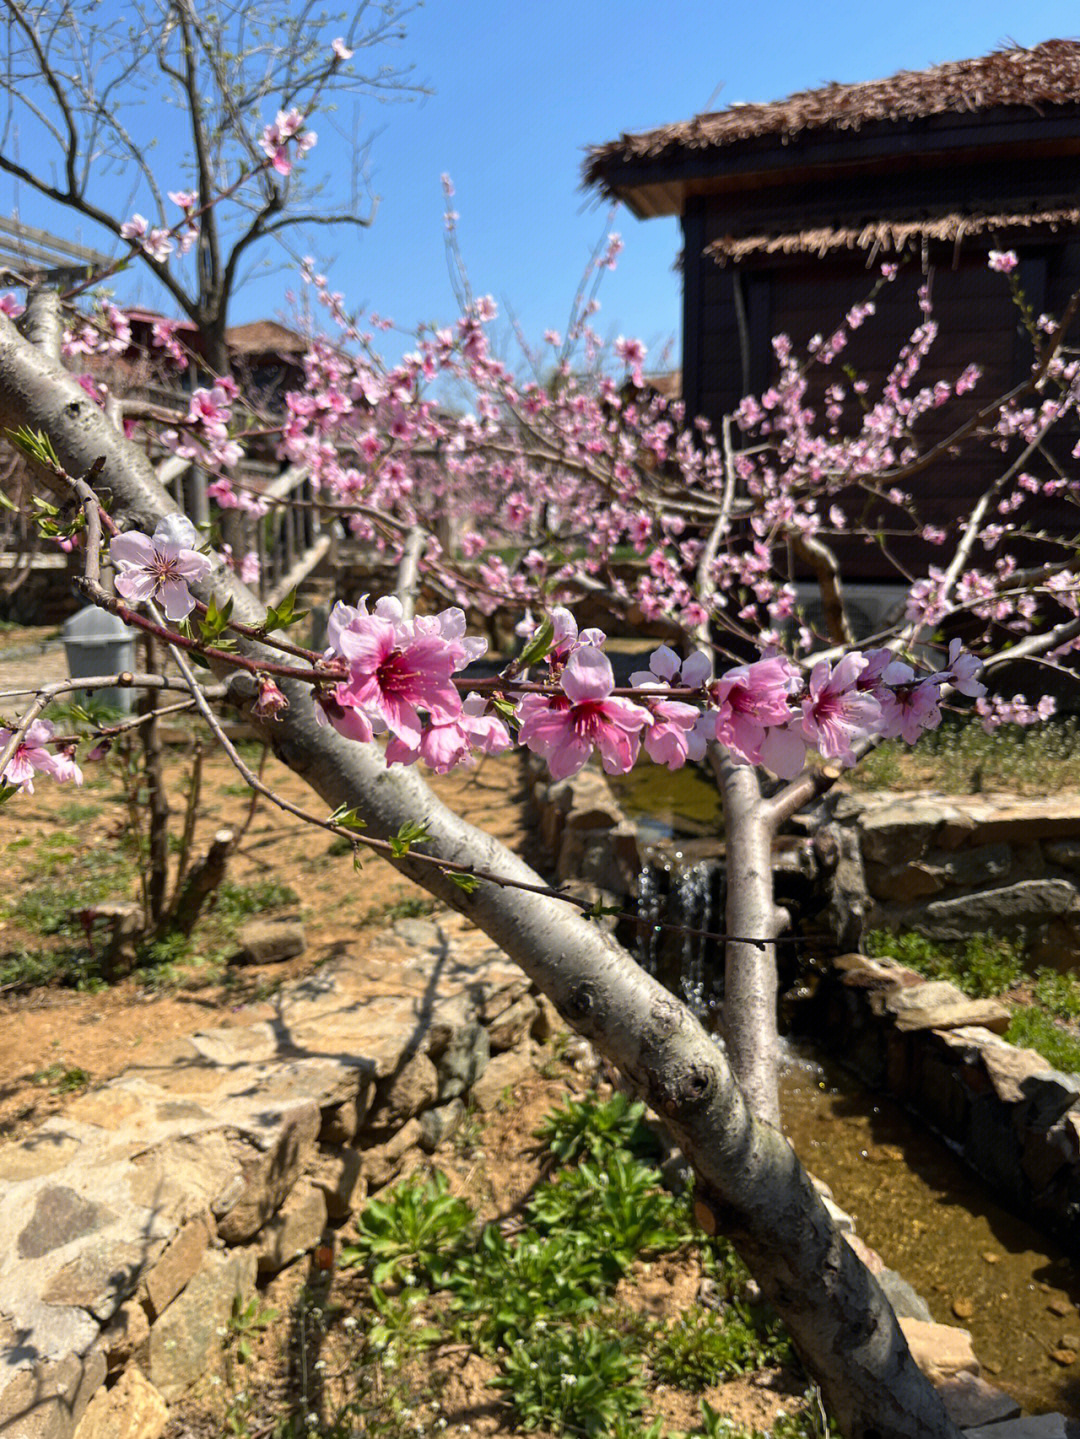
(1046, 1009)
(537, 1297)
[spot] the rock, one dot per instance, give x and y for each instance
(463, 1060)
(548, 1022)
(101, 1276)
(906, 882)
(269, 941)
(60, 1216)
(963, 1308)
(437, 1125)
(412, 1088)
(269, 1174)
(340, 1178)
(677, 1173)
(988, 1013)
(1065, 853)
(502, 1074)
(178, 1263)
(870, 1257)
(969, 1400)
(1061, 1307)
(48, 1399)
(340, 1122)
(929, 994)
(185, 1343)
(900, 832)
(512, 1025)
(422, 934)
(1023, 1074)
(840, 1217)
(1030, 903)
(125, 1332)
(383, 1161)
(1028, 1426)
(1069, 1341)
(938, 1349)
(906, 1301)
(294, 1229)
(132, 1409)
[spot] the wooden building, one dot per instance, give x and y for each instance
(789, 209)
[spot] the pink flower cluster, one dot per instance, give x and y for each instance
(288, 129)
(33, 757)
(771, 713)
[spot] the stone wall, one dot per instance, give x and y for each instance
(949, 866)
(129, 1223)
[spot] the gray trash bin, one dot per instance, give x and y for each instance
(98, 643)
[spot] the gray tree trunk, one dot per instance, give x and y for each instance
(750, 1182)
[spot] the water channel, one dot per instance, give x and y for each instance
(975, 1263)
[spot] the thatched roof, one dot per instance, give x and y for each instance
(265, 337)
(890, 236)
(1042, 76)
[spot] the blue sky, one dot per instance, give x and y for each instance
(518, 91)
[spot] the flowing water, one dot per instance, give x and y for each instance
(912, 1199)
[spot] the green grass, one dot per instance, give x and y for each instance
(988, 966)
(982, 966)
(961, 758)
(1032, 1029)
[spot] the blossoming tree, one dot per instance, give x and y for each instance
(585, 487)
(76, 79)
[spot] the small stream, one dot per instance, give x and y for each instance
(933, 1222)
(911, 1197)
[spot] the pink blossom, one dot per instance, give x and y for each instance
(350, 723)
(835, 713)
(564, 731)
(961, 671)
(184, 198)
(10, 306)
(31, 757)
(910, 709)
(750, 699)
(271, 701)
(675, 734)
(392, 676)
(160, 567)
(445, 744)
(1003, 261)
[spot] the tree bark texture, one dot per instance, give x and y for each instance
(749, 1179)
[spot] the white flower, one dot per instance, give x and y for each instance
(341, 50)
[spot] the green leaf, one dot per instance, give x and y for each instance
(538, 646)
(7, 504)
(467, 882)
(348, 819)
(280, 617)
(217, 618)
(7, 791)
(37, 445)
(507, 708)
(409, 834)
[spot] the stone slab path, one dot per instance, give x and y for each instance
(178, 1172)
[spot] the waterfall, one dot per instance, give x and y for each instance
(683, 884)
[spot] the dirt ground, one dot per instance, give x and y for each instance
(53, 1033)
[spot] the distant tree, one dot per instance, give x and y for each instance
(77, 85)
